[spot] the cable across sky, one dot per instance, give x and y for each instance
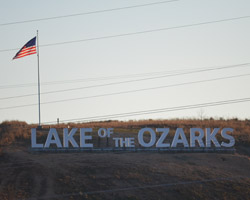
(152, 111)
(137, 32)
(105, 78)
(144, 79)
(88, 13)
(102, 78)
(120, 56)
(125, 92)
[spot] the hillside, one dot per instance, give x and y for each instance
(26, 175)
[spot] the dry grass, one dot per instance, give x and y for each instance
(24, 175)
(11, 131)
(15, 131)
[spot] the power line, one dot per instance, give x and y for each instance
(135, 80)
(153, 111)
(103, 78)
(137, 33)
(148, 31)
(88, 13)
(123, 92)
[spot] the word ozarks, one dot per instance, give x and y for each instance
(146, 138)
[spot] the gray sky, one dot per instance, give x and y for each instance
(212, 45)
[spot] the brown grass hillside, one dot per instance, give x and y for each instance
(135, 176)
(12, 131)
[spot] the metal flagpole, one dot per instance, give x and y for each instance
(39, 108)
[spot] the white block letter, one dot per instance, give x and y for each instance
(210, 137)
(152, 136)
(229, 137)
(164, 134)
(68, 137)
(116, 141)
(53, 132)
(110, 131)
(33, 139)
(197, 138)
(84, 137)
(179, 132)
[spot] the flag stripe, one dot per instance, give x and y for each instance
(28, 49)
(26, 52)
(20, 56)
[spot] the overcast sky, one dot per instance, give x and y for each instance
(174, 50)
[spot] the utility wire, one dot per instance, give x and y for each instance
(103, 78)
(137, 33)
(160, 110)
(89, 13)
(123, 92)
(136, 80)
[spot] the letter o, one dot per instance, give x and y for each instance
(152, 135)
(102, 132)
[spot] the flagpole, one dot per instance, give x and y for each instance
(39, 99)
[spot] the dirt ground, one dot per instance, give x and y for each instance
(26, 175)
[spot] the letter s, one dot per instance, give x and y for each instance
(228, 137)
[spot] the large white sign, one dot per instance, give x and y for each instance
(204, 138)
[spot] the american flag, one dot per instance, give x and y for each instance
(28, 49)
